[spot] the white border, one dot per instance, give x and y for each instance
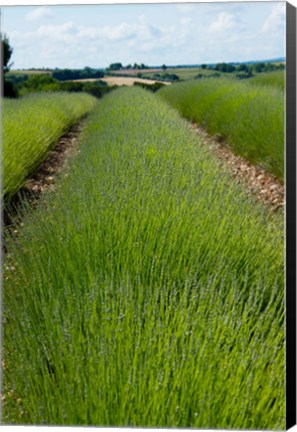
(95, 2)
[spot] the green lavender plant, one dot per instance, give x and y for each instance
(148, 291)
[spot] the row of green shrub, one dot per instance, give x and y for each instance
(152, 87)
(32, 125)
(275, 79)
(250, 118)
(148, 291)
(75, 74)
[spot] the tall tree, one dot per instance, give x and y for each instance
(6, 52)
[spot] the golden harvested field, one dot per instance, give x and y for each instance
(128, 81)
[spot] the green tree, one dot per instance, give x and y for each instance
(242, 67)
(6, 53)
(225, 67)
(39, 83)
(9, 89)
(116, 66)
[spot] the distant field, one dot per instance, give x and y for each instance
(134, 72)
(128, 81)
(28, 72)
(183, 73)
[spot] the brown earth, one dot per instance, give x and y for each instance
(128, 81)
(44, 178)
(268, 189)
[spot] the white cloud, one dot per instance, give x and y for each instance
(223, 22)
(39, 13)
(276, 19)
(141, 31)
(215, 34)
(65, 32)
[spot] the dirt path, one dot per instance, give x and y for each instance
(44, 178)
(268, 188)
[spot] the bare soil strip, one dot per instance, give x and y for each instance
(44, 178)
(268, 189)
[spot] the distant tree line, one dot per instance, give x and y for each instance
(76, 74)
(243, 67)
(25, 84)
(118, 67)
(267, 67)
(242, 70)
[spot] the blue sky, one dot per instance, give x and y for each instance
(75, 36)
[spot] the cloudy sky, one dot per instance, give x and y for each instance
(75, 36)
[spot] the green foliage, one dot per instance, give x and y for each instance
(242, 67)
(209, 75)
(97, 89)
(165, 76)
(17, 79)
(275, 79)
(38, 83)
(115, 66)
(75, 74)
(248, 69)
(148, 291)
(9, 90)
(152, 87)
(244, 75)
(6, 52)
(250, 118)
(46, 83)
(225, 67)
(31, 126)
(72, 86)
(244, 71)
(267, 67)
(181, 73)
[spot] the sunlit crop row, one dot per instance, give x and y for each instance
(30, 127)
(249, 117)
